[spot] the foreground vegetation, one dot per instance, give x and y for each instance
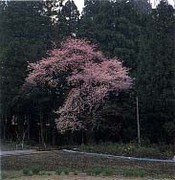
(68, 173)
(118, 149)
(131, 149)
(131, 30)
(95, 172)
(59, 163)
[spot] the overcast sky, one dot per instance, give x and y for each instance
(80, 3)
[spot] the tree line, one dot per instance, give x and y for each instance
(130, 30)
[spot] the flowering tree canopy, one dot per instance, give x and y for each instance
(87, 74)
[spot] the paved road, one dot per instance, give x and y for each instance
(30, 151)
(16, 152)
(123, 157)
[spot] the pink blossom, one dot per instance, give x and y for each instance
(89, 75)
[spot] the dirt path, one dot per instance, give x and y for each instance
(74, 177)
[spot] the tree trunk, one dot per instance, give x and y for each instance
(42, 130)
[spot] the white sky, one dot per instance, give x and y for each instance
(80, 3)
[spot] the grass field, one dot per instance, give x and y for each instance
(131, 149)
(61, 164)
(49, 175)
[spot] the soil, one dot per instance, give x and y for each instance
(73, 177)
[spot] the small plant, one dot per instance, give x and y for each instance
(27, 172)
(35, 170)
(58, 171)
(134, 173)
(108, 172)
(94, 171)
(43, 173)
(62, 170)
(66, 171)
(130, 149)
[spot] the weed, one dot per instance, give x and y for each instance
(134, 173)
(62, 170)
(94, 171)
(35, 170)
(27, 172)
(66, 171)
(129, 149)
(108, 172)
(58, 171)
(100, 170)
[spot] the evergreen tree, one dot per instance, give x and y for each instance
(156, 75)
(116, 26)
(67, 21)
(24, 36)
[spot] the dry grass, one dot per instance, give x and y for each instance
(53, 160)
(50, 175)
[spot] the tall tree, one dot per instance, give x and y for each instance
(156, 75)
(116, 27)
(24, 36)
(83, 76)
(67, 21)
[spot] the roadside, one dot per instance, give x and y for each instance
(81, 176)
(17, 152)
(85, 163)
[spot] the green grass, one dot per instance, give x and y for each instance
(133, 173)
(64, 163)
(27, 172)
(96, 171)
(108, 172)
(131, 149)
(10, 174)
(63, 170)
(35, 170)
(31, 171)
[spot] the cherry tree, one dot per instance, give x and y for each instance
(86, 76)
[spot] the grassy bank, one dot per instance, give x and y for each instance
(51, 175)
(151, 151)
(62, 162)
(62, 171)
